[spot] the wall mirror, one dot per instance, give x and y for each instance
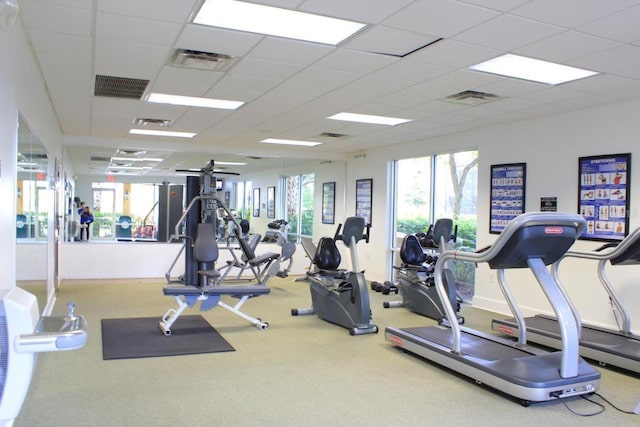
(34, 199)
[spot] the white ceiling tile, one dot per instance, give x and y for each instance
(554, 94)
(610, 61)
(441, 18)
(389, 41)
(622, 26)
(513, 87)
(65, 61)
(208, 39)
(69, 83)
(502, 5)
(460, 80)
(608, 85)
(122, 59)
(566, 46)
(365, 11)
(455, 54)
(570, 13)
(353, 61)
(161, 10)
(63, 44)
(57, 18)
(521, 32)
(136, 30)
(289, 51)
(184, 81)
(241, 88)
(414, 71)
(249, 67)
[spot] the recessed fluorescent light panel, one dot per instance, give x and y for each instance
(531, 69)
(231, 163)
(162, 133)
(290, 142)
(273, 21)
(366, 118)
(191, 101)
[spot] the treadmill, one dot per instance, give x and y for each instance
(532, 240)
(619, 348)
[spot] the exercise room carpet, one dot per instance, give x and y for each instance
(140, 337)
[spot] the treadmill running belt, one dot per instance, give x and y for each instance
(469, 343)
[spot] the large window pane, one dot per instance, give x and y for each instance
(441, 186)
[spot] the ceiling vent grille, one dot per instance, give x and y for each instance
(153, 122)
(332, 135)
(472, 97)
(202, 60)
(119, 87)
(100, 159)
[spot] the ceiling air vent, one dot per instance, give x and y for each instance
(332, 135)
(100, 159)
(472, 97)
(153, 122)
(202, 60)
(120, 87)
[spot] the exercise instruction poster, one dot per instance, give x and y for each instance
(507, 194)
(604, 190)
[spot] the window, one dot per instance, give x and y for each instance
(299, 190)
(440, 186)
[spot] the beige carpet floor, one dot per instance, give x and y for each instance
(301, 371)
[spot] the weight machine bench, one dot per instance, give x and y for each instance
(210, 297)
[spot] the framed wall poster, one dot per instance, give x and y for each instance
(508, 183)
(328, 202)
(256, 202)
(603, 196)
(271, 202)
(364, 194)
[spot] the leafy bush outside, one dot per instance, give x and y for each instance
(466, 241)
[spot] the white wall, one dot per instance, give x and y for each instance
(551, 147)
(22, 91)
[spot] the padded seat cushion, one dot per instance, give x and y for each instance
(236, 290)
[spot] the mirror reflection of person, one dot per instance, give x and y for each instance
(86, 219)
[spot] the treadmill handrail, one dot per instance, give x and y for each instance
(525, 220)
(603, 256)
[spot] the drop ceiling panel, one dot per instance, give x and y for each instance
(521, 32)
(208, 39)
(121, 59)
(160, 10)
(54, 63)
(570, 13)
(184, 81)
(460, 80)
(390, 41)
(136, 30)
(199, 119)
(566, 46)
(365, 11)
(57, 18)
(622, 26)
(502, 5)
(152, 110)
(413, 71)
(353, 61)
(241, 88)
(71, 83)
(612, 60)
(608, 85)
(441, 18)
(64, 44)
(289, 51)
(249, 67)
(455, 54)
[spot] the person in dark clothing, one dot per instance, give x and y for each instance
(86, 219)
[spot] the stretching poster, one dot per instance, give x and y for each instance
(507, 194)
(604, 190)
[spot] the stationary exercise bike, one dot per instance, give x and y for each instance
(340, 296)
(415, 283)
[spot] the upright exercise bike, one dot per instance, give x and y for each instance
(341, 296)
